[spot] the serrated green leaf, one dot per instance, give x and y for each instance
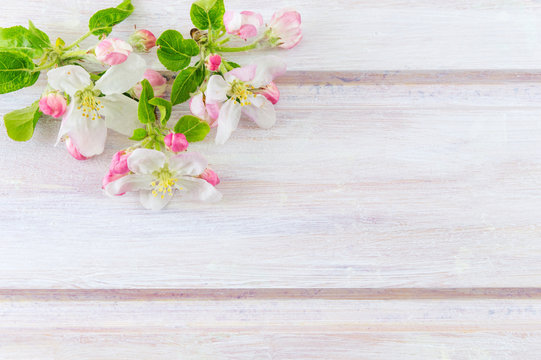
(186, 83)
(19, 38)
(37, 32)
(20, 124)
(145, 110)
(102, 22)
(192, 127)
(165, 108)
(16, 71)
(174, 51)
(139, 134)
(207, 14)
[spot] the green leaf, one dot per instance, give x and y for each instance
(207, 14)
(38, 33)
(102, 22)
(174, 51)
(186, 83)
(20, 124)
(139, 134)
(19, 38)
(232, 64)
(16, 71)
(165, 108)
(144, 109)
(192, 127)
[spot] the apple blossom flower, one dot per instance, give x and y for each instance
(245, 24)
(271, 92)
(142, 40)
(156, 80)
(96, 106)
(285, 29)
(53, 104)
(157, 177)
(210, 176)
(213, 62)
(176, 142)
(205, 111)
(117, 169)
(237, 93)
(72, 149)
(113, 51)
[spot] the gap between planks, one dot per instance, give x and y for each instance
(267, 294)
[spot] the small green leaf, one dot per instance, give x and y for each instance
(102, 22)
(139, 134)
(192, 127)
(19, 38)
(186, 83)
(20, 124)
(207, 14)
(165, 108)
(16, 71)
(232, 65)
(174, 51)
(38, 33)
(146, 110)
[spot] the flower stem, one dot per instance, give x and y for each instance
(236, 49)
(43, 67)
(76, 42)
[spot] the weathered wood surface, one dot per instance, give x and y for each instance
(405, 164)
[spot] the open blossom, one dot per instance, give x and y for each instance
(210, 176)
(245, 25)
(96, 106)
(213, 62)
(271, 92)
(53, 104)
(113, 51)
(73, 151)
(157, 178)
(206, 111)
(156, 80)
(176, 142)
(142, 40)
(285, 29)
(236, 92)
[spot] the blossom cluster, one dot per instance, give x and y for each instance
(129, 98)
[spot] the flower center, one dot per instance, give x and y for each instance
(87, 99)
(164, 182)
(240, 92)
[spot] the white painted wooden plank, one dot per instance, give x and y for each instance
(345, 35)
(270, 329)
(367, 180)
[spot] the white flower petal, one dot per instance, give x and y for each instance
(152, 202)
(188, 164)
(69, 78)
(88, 135)
(131, 182)
(146, 161)
(261, 111)
(216, 89)
(120, 113)
(122, 77)
(228, 120)
(195, 189)
(268, 68)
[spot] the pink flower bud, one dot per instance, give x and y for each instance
(119, 163)
(245, 25)
(213, 62)
(285, 29)
(210, 176)
(53, 104)
(142, 40)
(156, 80)
(176, 142)
(113, 51)
(109, 178)
(271, 92)
(72, 149)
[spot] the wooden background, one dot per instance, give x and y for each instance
(393, 212)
